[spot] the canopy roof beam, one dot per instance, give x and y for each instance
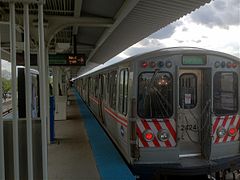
(122, 13)
(77, 13)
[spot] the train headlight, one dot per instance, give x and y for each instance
(168, 64)
(221, 132)
(163, 135)
(148, 135)
(232, 131)
(217, 64)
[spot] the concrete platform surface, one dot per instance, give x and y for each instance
(71, 157)
(109, 162)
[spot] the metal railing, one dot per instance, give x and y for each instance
(43, 98)
(2, 168)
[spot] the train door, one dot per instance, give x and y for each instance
(190, 108)
(101, 92)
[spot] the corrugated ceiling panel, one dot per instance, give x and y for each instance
(52, 7)
(146, 18)
(103, 8)
(59, 7)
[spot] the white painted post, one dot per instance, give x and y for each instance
(28, 91)
(14, 90)
(2, 169)
(60, 71)
(55, 81)
(43, 111)
(47, 93)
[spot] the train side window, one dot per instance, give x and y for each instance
(187, 91)
(123, 91)
(107, 87)
(103, 86)
(82, 84)
(91, 86)
(96, 84)
(155, 95)
(225, 93)
(113, 89)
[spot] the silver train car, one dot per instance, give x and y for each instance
(170, 111)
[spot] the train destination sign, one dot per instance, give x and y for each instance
(55, 59)
(67, 60)
(193, 60)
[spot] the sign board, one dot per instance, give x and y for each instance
(188, 98)
(67, 60)
(55, 59)
(193, 60)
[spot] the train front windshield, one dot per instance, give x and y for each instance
(225, 93)
(155, 95)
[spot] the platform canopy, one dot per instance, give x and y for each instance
(98, 29)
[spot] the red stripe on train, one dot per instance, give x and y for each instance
(94, 100)
(117, 115)
(237, 126)
(115, 118)
(159, 127)
(231, 123)
(146, 125)
(223, 124)
(139, 133)
(156, 126)
(235, 120)
(215, 124)
(171, 129)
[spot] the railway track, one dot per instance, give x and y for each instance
(7, 107)
(7, 112)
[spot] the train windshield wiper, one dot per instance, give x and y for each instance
(152, 80)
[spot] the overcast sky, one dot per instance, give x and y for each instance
(215, 26)
(6, 65)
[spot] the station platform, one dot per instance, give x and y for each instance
(82, 149)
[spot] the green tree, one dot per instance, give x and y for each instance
(6, 87)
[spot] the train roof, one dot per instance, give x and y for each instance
(185, 50)
(166, 51)
(33, 71)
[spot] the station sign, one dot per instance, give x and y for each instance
(55, 59)
(67, 60)
(193, 60)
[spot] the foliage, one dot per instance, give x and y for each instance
(6, 87)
